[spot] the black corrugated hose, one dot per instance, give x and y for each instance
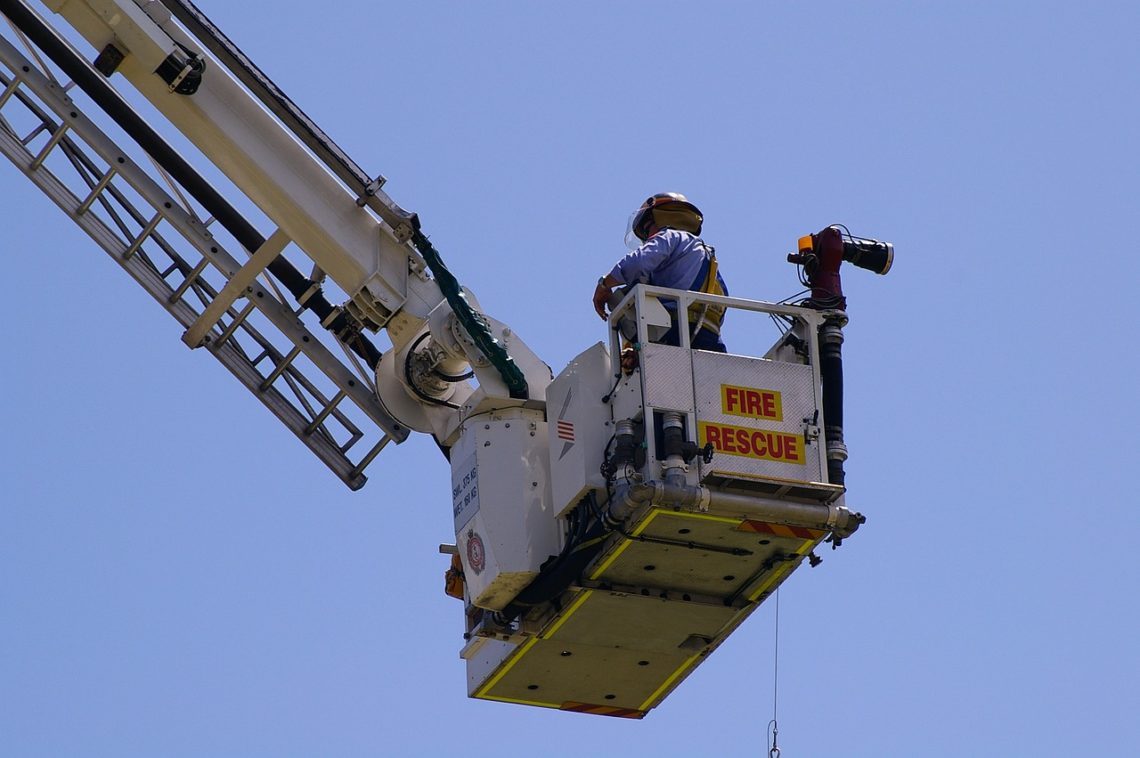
(475, 325)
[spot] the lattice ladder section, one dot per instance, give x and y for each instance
(174, 257)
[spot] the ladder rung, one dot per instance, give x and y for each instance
(375, 451)
(320, 419)
(233, 325)
(56, 136)
(9, 90)
(188, 281)
(284, 364)
(41, 127)
(95, 191)
(150, 227)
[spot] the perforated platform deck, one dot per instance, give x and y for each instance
(657, 601)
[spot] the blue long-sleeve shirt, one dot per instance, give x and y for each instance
(671, 258)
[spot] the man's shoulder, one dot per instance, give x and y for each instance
(674, 238)
(677, 234)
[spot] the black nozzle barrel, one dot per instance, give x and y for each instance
(873, 255)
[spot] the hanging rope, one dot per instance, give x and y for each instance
(773, 726)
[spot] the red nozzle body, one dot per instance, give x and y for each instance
(823, 272)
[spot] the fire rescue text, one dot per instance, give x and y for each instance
(764, 444)
(751, 403)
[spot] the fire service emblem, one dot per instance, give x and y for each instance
(476, 555)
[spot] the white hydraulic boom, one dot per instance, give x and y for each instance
(612, 526)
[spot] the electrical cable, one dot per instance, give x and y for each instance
(846, 231)
(790, 298)
(609, 395)
(773, 726)
(412, 385)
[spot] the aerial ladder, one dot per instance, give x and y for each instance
(613, 524)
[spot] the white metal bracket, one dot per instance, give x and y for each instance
(235, 288)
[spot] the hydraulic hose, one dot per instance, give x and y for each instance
(563, 570)
(831, 377)
(561, 574)
(112, 103)
(473, 323)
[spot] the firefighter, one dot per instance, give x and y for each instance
(668, 253)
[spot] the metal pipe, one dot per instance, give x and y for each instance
(672, 433)
(832, 518)
(828, 517)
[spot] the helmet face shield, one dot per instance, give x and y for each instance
(637, 229)
(632, 241)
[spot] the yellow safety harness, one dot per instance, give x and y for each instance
(705, 315)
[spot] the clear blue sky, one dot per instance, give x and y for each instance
(179, 576)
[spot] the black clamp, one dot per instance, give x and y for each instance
(182, 76)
